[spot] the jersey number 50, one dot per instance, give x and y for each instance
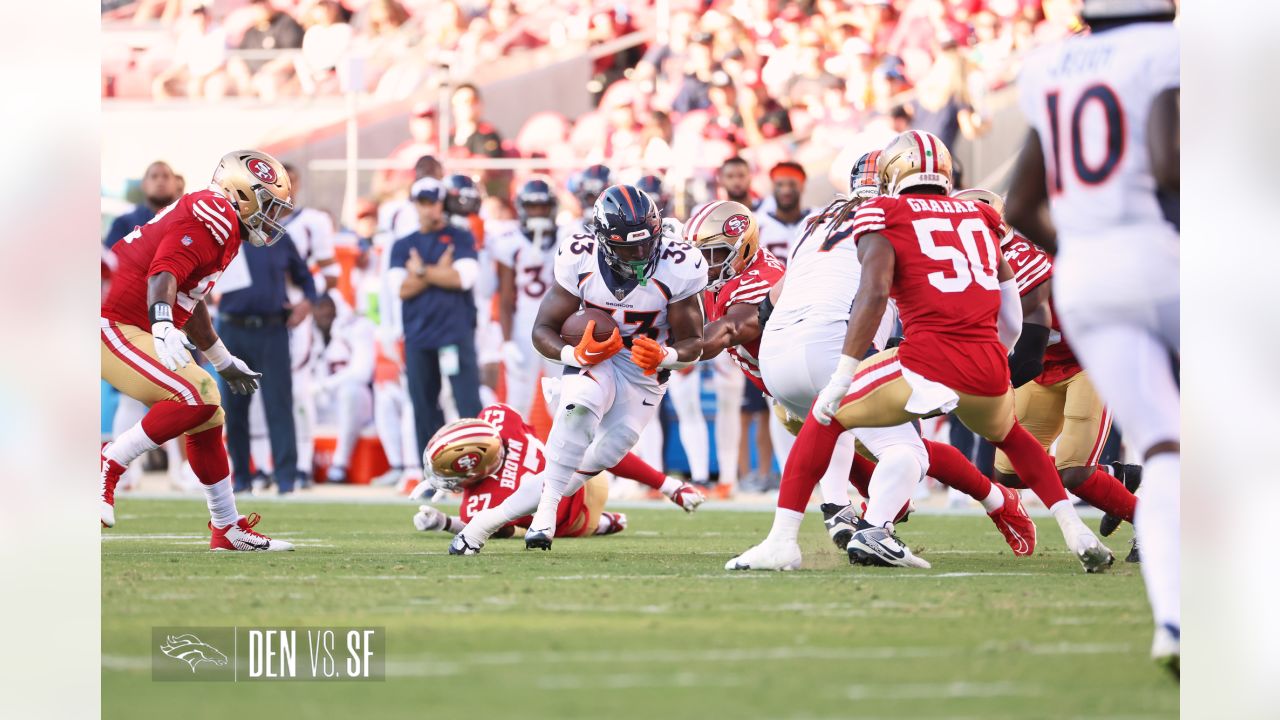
(969, 266)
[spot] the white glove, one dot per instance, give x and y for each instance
(511, 354)
(828, 402)
(240, 379)
(172, 346)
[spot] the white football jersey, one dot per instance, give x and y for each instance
(638, 309)
(350, 350)
(777, 236)
(822, 280)
(532, 261)
(1088, 98)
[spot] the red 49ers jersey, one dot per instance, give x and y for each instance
(750, 287)
(522, 458)
(195, 239)
(1031, 268)
(946, 286)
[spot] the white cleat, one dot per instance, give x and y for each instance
(878, 546)
(242, 537)
(768, 555)
(429, 518)
(1166, 649)
(1093, 555)
(462, 546)
(539, 539)
(688, 497)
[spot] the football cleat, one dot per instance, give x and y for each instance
(242, 536)
(878, 546)
(1014, 524)
(611, 523)
(111, 472)
(1131, 476)
(903, 515)
(539, 539)
(462, 546)
(1166, 649)
(1134, 555)
(429, 518)
(688, 497)
(768, 555)
(390, 478)
(1093, 555)
(839, 521)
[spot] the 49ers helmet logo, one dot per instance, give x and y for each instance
(736, 225)
(466, 463)
(262, 170)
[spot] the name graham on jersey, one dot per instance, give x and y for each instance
(511, 464)
(948, 206)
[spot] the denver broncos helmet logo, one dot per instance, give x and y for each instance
(736, 225)
(192, 650)
(262, 170)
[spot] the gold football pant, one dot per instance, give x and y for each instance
(130, 364)
(1071, 412)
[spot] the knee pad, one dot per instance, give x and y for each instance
(907, 458)
(609, 449)
(571, 434)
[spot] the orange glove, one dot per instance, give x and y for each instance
(647, 353)
(590, 352)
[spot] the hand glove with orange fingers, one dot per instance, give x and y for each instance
(648, 354)
(589, 351)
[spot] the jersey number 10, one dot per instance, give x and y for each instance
(1089, 173)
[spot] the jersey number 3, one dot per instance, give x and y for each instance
(969, 266)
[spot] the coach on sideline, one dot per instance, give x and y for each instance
(254, 322)
(435, 269)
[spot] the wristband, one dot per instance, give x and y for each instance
(161, 312)
(567, 356)
(671, 359)
(218, 355)
(846, 368)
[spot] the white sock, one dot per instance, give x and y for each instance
(669, 486)
(786, 525)
(835, 481)
(222, 503)
(129, 445)
(994, 499)
(1068, 519)
(892, 484)
(1159, 533)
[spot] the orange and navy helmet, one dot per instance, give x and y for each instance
(629, 229)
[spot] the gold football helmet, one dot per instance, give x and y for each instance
(994, 200)
(461, 453)
(912, 159)
(258, 186)
(727, 235)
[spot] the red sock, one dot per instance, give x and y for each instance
(208, 456)
(1033, 465)
(953, 469)
(1107, 494)
(860, 475)
(807, 462)
(169, 419)
(632, 467)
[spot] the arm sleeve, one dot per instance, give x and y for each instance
(299, 274)
(1009, 320)
(868, 218)
(468, 271)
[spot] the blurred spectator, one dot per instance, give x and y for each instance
(199, 61)
(341, 369)
(941, 105)
(270, 30)
(159, 188)
(698, 68)
(424, 139)
(655, 139)
(324, 45)
(399, 216)
(471, 134)
(734, 178)
(254, 323)
(435, 269)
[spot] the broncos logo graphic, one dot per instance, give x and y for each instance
(192, 650)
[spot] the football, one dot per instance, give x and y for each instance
(576, 324)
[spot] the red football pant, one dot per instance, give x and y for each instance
(632, 467)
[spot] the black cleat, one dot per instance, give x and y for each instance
(1131, 476)
(537, 539)
(1134, 556)
(839, 520)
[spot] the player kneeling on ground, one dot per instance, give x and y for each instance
(496, 456)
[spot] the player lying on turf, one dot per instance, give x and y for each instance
(802, 347)
(626, 274)
(939, 260)
(491, 458)
(166, 268)
(1053, 396)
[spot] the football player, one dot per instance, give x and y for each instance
(497, 456)
(166, 268)
(1053, 397)
(1103, 156)
(939, 260)
(612, 388)
(780, 225)
(810, 319)
(341, 370)
(585, 187)
(525, 256)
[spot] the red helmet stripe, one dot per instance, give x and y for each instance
(924, 159)
(933, 145)
(626, 193)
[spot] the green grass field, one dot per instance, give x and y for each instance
(645, 624)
